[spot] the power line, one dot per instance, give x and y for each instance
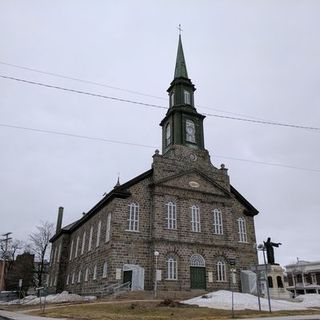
(158, 106)
(72, 135)
(117, 88)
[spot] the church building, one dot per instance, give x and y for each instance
(181, 221)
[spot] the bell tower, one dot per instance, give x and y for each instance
(182, 125)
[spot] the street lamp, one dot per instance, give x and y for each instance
(262, 248)
(156, 255)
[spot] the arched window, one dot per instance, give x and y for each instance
(83, 242)
(133, 219)
(171, 215)
(90, 239)
(86, 275)
(108, 228)
(197, 260)
(172, 268)
(94, 276)
(270, 282)
(242, 230)
(221, 271)
(186, 97)
(217, 221)
(79, 276)
(190, 131)
(195, 219)
(279, 282)
(105, 270)
(172, 99)
(98, 233)
(168, 134)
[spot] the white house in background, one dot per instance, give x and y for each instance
(303, 277)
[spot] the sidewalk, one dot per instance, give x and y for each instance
(300, 317)
(22, 316)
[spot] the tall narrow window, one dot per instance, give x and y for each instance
(168, 134)
(172, 268)
(242, 230)
(217, 221)
(221, 271)
(83, 242)
(86, 275)
(172, 99)
(90, 239)
(171, 215)
(67, 282)
(186, 97)
(72, 279)
(79, 276)
(108, 228)
(190, 131)
(98, 234)
(105, 270)
(195, 219)
(77, 245)
(133, 220)
(59, 252)
(94, 277)
(71, 249)
(55, 255)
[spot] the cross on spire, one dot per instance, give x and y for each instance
(180, 29)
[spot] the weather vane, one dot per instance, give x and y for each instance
(180, 29)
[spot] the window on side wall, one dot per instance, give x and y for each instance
(242, 230)
(171, 215)
(133, 219)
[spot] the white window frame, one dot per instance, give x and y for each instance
(94, 276)
(72, 279)
(195, 219)
(221, 271)
(83, 242)
(55, 255)
(77, 245)
(59, 252)
(86, 275)
(79, 276)
(67, 281)
(71, 250)
(105, 270)
(171, 215)
(242, 230)
(168, 134)
(187, 97)
(172, 99)
(172, 268)
(90, 239)
(98, 234)
(108, 227)
(133, 219)
(217, 221)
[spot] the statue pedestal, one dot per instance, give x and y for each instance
(275, 280)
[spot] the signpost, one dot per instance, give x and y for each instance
(233, 270)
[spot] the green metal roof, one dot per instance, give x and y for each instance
(181, 68)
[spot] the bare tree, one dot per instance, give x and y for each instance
(40, 245)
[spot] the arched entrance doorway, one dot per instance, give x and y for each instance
(197, 272)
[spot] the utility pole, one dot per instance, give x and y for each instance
(6, 241)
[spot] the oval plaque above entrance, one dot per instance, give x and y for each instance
(194, 184)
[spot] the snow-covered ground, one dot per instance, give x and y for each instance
(222, 300)
(53, 298)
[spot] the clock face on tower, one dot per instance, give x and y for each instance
(190, 131)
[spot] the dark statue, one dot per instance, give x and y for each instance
(270, 251)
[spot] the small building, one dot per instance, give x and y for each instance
(303, 277)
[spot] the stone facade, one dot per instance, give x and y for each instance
(183, 208)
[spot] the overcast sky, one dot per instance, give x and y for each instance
(251, 59)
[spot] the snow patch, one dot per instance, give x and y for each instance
(222, 300)
(64, 296)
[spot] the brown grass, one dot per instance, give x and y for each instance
(151, 310)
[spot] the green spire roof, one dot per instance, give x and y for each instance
(181, 68)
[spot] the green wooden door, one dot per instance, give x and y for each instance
(198, 277)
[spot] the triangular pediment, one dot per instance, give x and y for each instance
(196, 181)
